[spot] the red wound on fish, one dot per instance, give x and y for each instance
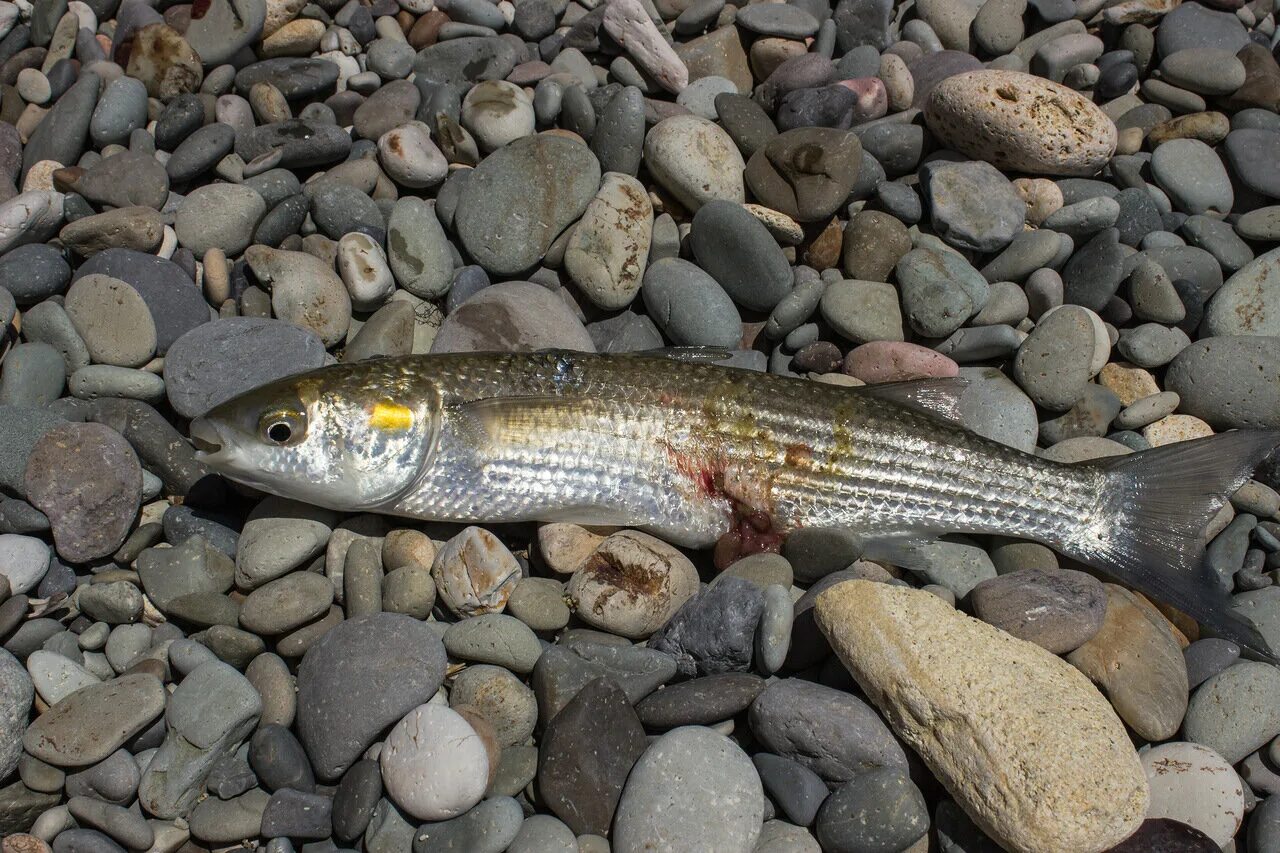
(752, 533)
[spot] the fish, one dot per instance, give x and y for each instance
(709, 456)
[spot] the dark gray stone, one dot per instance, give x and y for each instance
(833, 733)
(585, 755)
(360, 677)
(714, 631)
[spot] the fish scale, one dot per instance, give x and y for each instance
(607, 444)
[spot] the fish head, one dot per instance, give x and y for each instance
(347, 437)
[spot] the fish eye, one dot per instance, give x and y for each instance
(282, 428)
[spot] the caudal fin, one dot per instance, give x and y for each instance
(1160, 502)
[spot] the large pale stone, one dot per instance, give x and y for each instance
(1024, 743)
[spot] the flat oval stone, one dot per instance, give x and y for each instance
(1136, 660)
(297, 78)
(90, 724)
(286, 603)
(550, 174)
(1229, 381)
(1194, 785)
(700, 701)
(689, 305)
(1021, 122)
(586, 754)
(113, 320)
(301, 142)
(468, 59)
(609, 249)
(737, 250)
(305, 291)
(175, 302)
(219, 360)
(1248, 303)
(87, 480)
(1193, 176)
(490, 827)
(514, 316)
(833, 733)
(1058, 610)
(1235, 712)
(434, 764)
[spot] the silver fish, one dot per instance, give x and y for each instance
(700, 454)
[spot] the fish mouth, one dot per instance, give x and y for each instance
(207, 440)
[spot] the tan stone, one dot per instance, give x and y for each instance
(1127, 382)
(1024, 743)
(632, 585)
(719, 53)
(296, 38)
(565, 547)
(1043, 198)
(783, 228)
(1173, 428)
(1137, 662)
(164, 62)
(1210, 128)
(1021, 122)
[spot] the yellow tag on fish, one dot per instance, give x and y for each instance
(391, 416)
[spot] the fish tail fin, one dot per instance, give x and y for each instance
(1159, 502)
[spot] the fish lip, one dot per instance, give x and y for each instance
(209, 442)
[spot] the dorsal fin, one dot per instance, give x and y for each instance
(937, 397)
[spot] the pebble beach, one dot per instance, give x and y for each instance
(1073, 205)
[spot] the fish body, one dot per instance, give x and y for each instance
(692, 451)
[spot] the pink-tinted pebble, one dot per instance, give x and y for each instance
(896, 361)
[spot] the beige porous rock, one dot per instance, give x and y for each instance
(632, 584)
(1024, 743)
(1021, 122)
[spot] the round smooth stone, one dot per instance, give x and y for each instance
(878, 810)
(86, 478)
(24, 560)
(219, 216)
(737, 250)
(514, 316)
(689, 305)
(1194, 785)
(434, 764)
(494, 638)
(113, 320)
(286, 603)
(551, 174)
(694, 789)
(1193, 176)
(497, 113)
(695, 160)
(700, 701)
